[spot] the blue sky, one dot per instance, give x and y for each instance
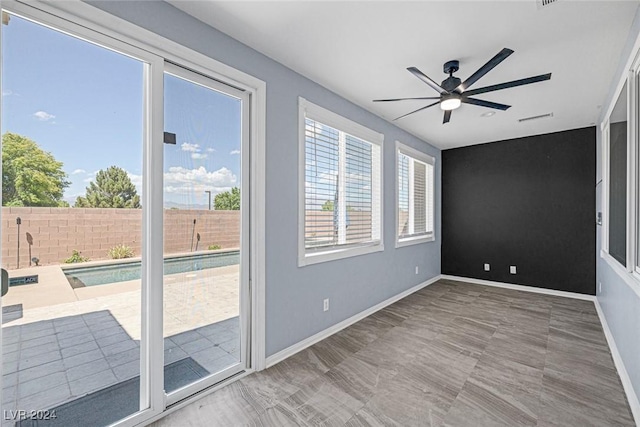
(83, 104)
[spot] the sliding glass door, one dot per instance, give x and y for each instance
(124, 227)
(72, 148)
(205, 276)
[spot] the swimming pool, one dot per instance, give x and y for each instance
(113, 273)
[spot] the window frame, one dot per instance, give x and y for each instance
(307, 109)
(631, 272)
(419, 156)
(631, 173)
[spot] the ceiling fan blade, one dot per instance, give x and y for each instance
(405, 99)
(493, 62)
(419, 74)
(507, 85)
(447, 116)
(483, 103)
(419, 109)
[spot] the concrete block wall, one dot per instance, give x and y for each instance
(56, 232)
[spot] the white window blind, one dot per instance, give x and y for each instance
(342, 185)
(415, 194)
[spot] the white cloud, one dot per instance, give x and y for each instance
(77, 171)
(234, 152)
(181, 180)
(7, 92)
(193, 148)
(91, 176)
(136, 180)
(43, 116)
(211, 150)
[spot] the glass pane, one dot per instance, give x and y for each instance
(419, 191)
(321, 185)
(72, 138)
(429, 198)
(618, 179)
(202, 173)
(358, 190)
(403, 195)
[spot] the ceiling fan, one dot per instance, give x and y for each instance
(454, 92)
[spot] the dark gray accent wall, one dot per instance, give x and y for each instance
(527, 202)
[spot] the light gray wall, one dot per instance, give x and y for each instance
(620, 304)
(294, 295)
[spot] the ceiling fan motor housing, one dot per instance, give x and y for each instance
(451, 67)
(450, 83)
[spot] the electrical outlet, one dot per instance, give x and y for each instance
(416, 269)
(512, 269)
(326, 305)
(487, 267)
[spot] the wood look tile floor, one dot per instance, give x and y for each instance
(451, 354)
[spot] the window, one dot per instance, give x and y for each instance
(618, 179)
(415, 206)
(341, 187)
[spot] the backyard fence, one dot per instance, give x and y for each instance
(51, 234)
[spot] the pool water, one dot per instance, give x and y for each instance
(113, 273)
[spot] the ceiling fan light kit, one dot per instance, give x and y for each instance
(453, 92)
(450, 102)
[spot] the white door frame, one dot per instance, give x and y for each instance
(244, 308)
(86, 21)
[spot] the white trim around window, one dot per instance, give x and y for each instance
(346, 207)
(418, 230)
(630, 81)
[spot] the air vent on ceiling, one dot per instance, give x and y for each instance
(544, 3)
(541, 116)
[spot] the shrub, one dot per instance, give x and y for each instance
(120, 251)
(214, 247)
(75, 257)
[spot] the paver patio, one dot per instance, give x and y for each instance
(55, 354)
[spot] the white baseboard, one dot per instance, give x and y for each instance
(290, 351)
(622, 371)
(521, 287)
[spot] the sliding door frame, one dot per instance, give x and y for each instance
(186, 74)
(85, 21)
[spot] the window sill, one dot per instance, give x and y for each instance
(335, 254)
(408, 241)
(632, 280)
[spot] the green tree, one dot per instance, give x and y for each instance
(112, 189)
(30, 175)
(228, 201)
(328, 205)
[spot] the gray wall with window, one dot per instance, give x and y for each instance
(292, 292)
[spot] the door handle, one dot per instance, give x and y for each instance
(4, 276)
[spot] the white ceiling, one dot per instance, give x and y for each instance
(361, 50)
